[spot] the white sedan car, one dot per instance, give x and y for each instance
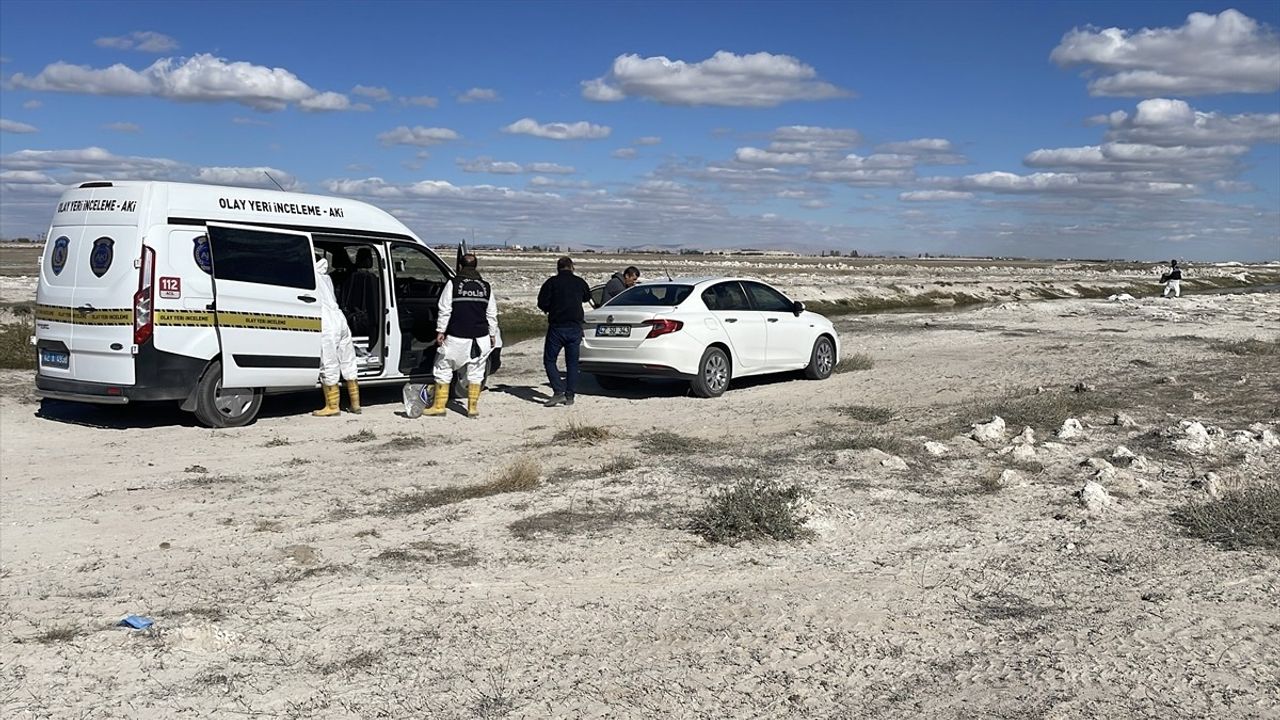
(707, 331)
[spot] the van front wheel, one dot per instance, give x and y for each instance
(219, 407)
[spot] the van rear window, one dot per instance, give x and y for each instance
(263, 257)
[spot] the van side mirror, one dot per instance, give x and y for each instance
(797, 307)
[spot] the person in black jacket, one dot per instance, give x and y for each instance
(620, 282)
(561, 298)
(1172, 280)
(466, 332)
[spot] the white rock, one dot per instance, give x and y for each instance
(1270, 439)
(893, 462)
(1213, 485)
(989, 433)
(1122, 456)
(1071, 430)
(936, 449)
(1196, 440)
(1026, 437)
(1120, 297)
(1095, 498)
(1124, 420)
(1010, 478)
(1023, 453)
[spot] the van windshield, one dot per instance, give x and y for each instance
(653, 294)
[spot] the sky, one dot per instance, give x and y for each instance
(1142, 130)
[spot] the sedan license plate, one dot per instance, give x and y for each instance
(55, 359)
(613, 331)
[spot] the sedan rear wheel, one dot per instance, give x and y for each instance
(822, 360)
(714, 373)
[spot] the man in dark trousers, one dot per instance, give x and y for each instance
(561, 298)
(620, 282)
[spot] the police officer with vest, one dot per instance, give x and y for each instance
(465, 333)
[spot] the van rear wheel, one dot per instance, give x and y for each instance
(219, 407)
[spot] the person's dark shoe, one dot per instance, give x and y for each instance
(557, 399)
(568, 399)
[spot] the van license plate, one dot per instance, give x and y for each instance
(613, 331)
(55, 359)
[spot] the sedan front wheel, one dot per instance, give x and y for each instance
(714, 373)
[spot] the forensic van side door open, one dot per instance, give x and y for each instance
(266, 308)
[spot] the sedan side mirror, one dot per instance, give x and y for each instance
(797, 307)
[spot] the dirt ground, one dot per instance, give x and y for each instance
(305, 567)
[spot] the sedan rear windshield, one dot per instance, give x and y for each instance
(653, 294)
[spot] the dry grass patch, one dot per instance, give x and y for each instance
(857, 361)
(663, 442)
(429, 552)
(863, 440)
(1251, 346)
(751, 510)
(360, 437)
(582, 433)
(278, 442)
(16, 351)
(362, 660)
(1242, 518)
(564, 523)
(1043, 411)
(521, 475)
(405, 441)
(617, 466)
(866, 413)
(58, 634)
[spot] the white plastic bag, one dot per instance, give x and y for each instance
(416, 398)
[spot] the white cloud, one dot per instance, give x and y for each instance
(246, 176)
(934, 195)
(248, 121)
(624, 153)
(377, 94)
(421, 100)
(479, 95)
(1160, 121)
(126, 127)
(1088, 184)
(32, 105)
(648, 140)
(549, 168)
(201, 78)
(488, 165)
(1225, 53)
(417, 135)
(581, 130)
(756, 156)
(143, 40)
(726, 79)
(13, 126)
(1233, 186)
(1191, 161)
(807, 138)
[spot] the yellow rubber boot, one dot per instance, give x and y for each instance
(330, 402)
(473, 401)
(353, 395)
(442, 399)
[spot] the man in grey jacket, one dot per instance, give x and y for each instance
(620, 282)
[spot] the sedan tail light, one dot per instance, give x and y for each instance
(661, 326)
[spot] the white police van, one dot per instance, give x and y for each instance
(206, 295)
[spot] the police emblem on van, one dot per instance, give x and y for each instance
(203, 258)
(58, 259)
(101, 255)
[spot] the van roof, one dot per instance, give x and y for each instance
(226, 203)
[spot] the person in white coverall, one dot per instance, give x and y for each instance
(337, 353)
(465, 335)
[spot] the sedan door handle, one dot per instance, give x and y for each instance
(306, 298)
(731, 319)
(773, 319)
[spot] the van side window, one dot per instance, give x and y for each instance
(416, 274)
(262, 257)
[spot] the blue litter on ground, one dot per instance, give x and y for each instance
(137, 622)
